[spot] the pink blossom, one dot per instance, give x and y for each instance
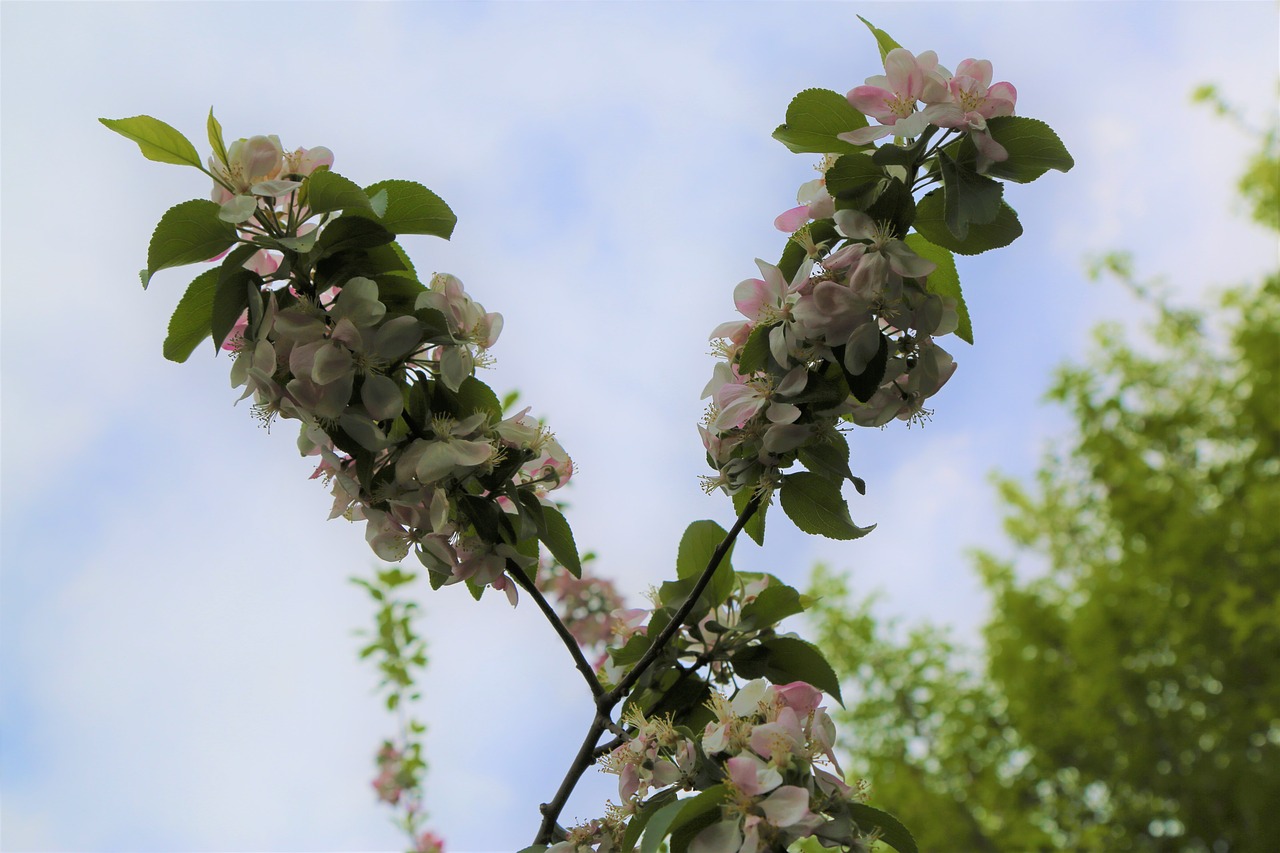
(800, 696)
(815, 203)
(891, 98)
(429, 842)
(973, 101)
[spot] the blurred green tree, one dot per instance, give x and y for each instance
(1131, 696)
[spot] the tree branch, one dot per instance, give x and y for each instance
(607, 701)
(523, 581)
(585, 758)
(677, 621)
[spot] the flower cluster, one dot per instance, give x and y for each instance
(656, 755)
(843, 329)
(769, 741)
(962, 102)
(394, 779)
(380, 373)
(256, 176)
(864, 318)
(759, 758)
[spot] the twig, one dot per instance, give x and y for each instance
(517, 574)
(591, 748)
(677, 621)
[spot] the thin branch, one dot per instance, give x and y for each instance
(591, 748)
(677, 621)
(585, 758)
(517, 574)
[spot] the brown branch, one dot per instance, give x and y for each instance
(677, 621)
(524, 582)
(607, 701)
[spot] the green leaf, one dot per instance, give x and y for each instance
(774, 603)
(696, 814)
(632, 651)
(229, 302)
(190, 323)
(814, 118)
(697, 547)
(945, 280)
(754, 355)
(828, 458)
(326, 191)
(892, 832)
(214, 130)
(755, 525)
(646, 813)
(786, 659)
(1032, 145)
(398, 291)
(931, 222)
(883, 39)
(658, 826)
(350, 232)
(411, 208)
(187, 233)
(893, 203)
(558, 538)
(967, 196)
(475, 396)
(852, 174)
(157, 140)
(815, 505)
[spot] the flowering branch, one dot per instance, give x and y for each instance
(607, 701)
(329, 325)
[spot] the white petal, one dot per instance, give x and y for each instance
(381, 395)
(396, 337)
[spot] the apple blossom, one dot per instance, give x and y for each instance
(891, 98)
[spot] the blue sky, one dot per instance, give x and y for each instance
(176, 662)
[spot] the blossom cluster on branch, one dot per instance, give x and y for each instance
(711, 716)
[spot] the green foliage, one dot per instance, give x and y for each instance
(851, 174)
(401, 654)
(214, 131)
(697, 546)
(783, 660)
(967, 197)
(814, 118)
(232, 296)
(325, 191)
(406, 207)
(890, 830)
(883, 39)
(755, 525)
(945, 280)
(187, 233)
(189, 324)
(814, 503)
(1159, 620)
(931, 222)
(1032, 145)
(558, 538)
(157, 140)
